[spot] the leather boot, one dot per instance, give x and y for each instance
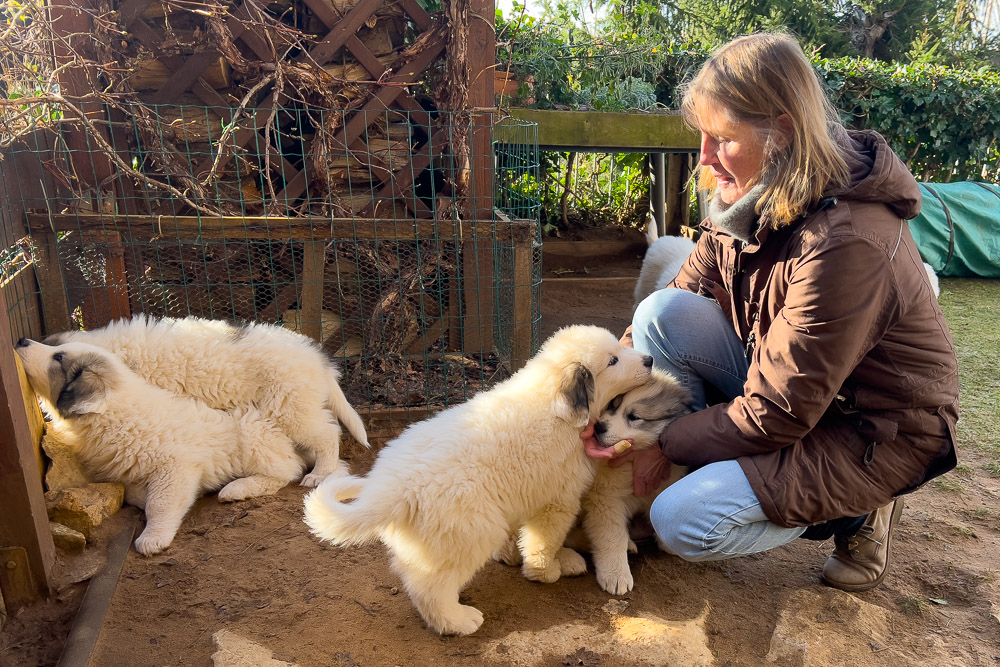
(860, 561)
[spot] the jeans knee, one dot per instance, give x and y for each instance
(681, 537)
(659, 304)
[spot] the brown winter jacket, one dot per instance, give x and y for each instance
(836, 304)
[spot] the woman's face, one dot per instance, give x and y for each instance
(733, 151)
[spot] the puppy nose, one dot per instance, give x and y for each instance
(23, 342)
(600, 428)
(647, 361)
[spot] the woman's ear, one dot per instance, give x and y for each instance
(782, 132)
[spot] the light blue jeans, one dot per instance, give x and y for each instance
(712, 513)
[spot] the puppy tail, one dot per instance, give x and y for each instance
(346, 414)
(331, 519)
(652, 233)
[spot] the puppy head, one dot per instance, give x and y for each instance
(74, 379)
(640, 414)
(592, 366)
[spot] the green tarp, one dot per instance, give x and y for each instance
(958, 229)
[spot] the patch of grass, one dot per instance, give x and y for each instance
(970, 306)
(981, 513)
(963, 470)
(912, 606)
(964, 531)
(992, 467)
(948, 484)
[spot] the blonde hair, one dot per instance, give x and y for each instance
(755, 79)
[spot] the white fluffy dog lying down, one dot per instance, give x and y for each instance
(663, 261)
(165, 449)
(446, 493)
(281, 373)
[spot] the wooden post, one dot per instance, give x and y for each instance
(658, 193)
(311, 296)
(520, 348)
(24, 522)
(674, 184)
(111, 302)
(479, 264)
(51, 284)
(72, 22)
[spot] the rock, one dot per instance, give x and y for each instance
(82, 508)
(72, 568)
(66, 538)
(634, 640)
(828, 627)
(233, 650)
(65, 471)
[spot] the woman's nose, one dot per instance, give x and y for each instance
(708, 150)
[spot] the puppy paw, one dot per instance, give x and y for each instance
(148, 545)
(571, 563)
(544, 575)
(466, 621)
(314, 478)
(616, 583)
(508, 554)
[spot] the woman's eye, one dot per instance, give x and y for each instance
(58, 356)
(614, 360)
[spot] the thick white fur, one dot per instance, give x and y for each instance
(281, 373)
(639, 416)
(935, 283)
(663, 261)
(446, 493)
(166, 449)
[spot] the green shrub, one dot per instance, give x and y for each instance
(945, 123)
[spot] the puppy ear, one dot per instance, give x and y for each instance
(86, 393)
(573, 399)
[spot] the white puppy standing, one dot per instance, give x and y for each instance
(166, 449)
(281, 373)
(446, 493)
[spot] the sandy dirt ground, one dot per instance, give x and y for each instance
(250, 574)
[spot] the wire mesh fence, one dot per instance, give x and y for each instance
(412, 254)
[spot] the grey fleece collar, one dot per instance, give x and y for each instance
(739, 219)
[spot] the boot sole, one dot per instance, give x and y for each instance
(897, 512)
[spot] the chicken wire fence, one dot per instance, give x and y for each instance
(412, 255)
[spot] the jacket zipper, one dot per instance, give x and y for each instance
(751, 340)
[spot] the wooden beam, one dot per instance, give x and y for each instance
(610, 132)
(273, 228)
(311, 295)
(24, 522)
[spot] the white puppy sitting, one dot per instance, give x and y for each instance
(165, 449)
(446, 493)
(638, 416)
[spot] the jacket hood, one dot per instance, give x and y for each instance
(877, 174)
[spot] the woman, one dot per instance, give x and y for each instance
(804, 303)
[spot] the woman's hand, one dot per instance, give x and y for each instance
(594, 450)
(649, 469)
(626, 338)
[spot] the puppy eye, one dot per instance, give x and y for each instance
(614, 360)
(632, 417)
(58, 356)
